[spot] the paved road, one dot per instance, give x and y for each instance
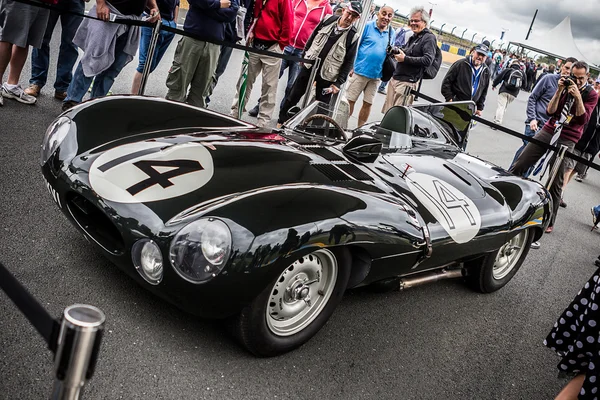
(440, 341)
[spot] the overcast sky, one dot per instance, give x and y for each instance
(489, 17)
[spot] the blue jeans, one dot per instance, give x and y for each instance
(292, 65)
(528, 133)
(40, 58)
(597, 210)
(164, 40)
(102, 82)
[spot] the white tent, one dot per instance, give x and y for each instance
(558, 43)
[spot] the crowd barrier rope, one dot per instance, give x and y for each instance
(74, 340)
(514, 133)
(177, 31)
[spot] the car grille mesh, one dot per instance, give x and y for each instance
(325, 153)
(332, 172)
(355, 172)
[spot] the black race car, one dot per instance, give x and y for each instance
(269, 228)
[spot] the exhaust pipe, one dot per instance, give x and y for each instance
(429, 277)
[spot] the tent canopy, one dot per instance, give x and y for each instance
(558, 43)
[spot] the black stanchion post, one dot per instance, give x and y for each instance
(150, 57)
(311, 81)
(557, 162)
(418, 90)
(77, 351)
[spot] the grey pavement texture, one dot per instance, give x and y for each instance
(440, 341)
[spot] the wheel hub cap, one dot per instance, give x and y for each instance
(301, 292)
(509, 255)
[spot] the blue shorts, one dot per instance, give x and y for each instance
(164, 40)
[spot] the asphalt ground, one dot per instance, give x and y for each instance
(440, 341)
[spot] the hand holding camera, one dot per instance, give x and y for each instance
(225, 3)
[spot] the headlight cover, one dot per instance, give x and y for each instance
(148, 261)
(201, 249)
(54, 136)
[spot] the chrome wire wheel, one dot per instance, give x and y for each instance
(508, 256)
(301, 293)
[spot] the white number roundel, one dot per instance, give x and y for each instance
(150, 171)
(457, 214)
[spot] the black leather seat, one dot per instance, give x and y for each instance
(397, 119)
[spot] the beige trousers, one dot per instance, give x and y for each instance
(269, 66)
(504, 99)
(397, 94)
(193, 66)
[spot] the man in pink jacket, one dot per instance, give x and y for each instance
(307, 15)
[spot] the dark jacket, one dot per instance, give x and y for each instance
(458, 83)
(504, 75)
(206, 19)
(420, 53)
(590, 140)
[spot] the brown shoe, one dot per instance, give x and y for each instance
(60, 95)
(33, 90)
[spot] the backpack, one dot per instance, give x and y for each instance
(431, 71)
(399, 40)
(514, 79)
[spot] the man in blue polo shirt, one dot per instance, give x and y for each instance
(369, 62)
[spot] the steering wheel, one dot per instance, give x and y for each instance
(338, 128)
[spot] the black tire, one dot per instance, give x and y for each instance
(480, 272)
(254, 333)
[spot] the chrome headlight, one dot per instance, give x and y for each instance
(201, 249)
(54, 136)
(148, 261)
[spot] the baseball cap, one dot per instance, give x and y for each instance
(482, 49)
(355, 6)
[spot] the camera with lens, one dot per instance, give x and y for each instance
(570, 80)
(394, 50)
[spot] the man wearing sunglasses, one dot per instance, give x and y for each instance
(413, 59)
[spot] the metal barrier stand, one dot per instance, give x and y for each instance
(150, 56)
(311, 81)
(556, 166)
(78, 346)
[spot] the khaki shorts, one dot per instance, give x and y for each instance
(576, 165)
(358, 84)
(397, 94)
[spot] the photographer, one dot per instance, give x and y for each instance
(569, 109)
(413, 59)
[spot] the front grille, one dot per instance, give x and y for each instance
(95, 223)
(332, 172)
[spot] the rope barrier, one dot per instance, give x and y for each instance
(30, 307)
(181, 32)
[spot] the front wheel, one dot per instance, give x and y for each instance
(296, 305)
(494, 270)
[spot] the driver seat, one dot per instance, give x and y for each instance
(397, 119)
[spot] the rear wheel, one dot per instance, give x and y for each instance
(296, 305)
(494, 270)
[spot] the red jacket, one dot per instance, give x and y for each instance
(304, 24)
(275, 23)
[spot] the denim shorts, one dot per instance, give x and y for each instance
(163, 42)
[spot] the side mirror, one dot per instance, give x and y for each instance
(363, 148)
(292, 112)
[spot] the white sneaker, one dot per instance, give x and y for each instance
(18, 94)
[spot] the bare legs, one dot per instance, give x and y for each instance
(17, 61)
(572, 389)
(137, 81)
(363, 114)
(16, 57)
(5, 50)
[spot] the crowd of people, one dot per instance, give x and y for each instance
(562, 106)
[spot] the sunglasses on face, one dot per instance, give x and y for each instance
(415, 21)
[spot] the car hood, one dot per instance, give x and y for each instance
(171, 174)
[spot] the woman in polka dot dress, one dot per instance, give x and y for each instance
(576, 338)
